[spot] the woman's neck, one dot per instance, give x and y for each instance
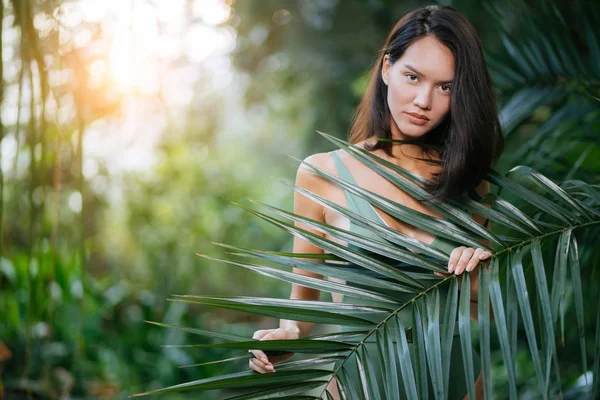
(408, 155)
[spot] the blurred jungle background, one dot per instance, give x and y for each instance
(129, 126)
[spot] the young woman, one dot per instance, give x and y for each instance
(430, 86)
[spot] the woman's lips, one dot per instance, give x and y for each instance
(416, 120)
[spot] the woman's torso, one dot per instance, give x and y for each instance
(370, 180)
(346, 168)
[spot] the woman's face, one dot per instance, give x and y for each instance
(419, 83)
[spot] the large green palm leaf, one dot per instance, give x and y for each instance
(548, 74)
(519, 286)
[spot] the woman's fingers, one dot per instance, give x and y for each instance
(259, 366)
(485, 255)
(259, 354)
(479, 255)
(475, 258)
(255, 367)
(277, 334)
(454, 257)
(463, 260)
(261, 362)
(468, 258)
(261, 333)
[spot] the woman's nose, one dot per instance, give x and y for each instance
(423, 99)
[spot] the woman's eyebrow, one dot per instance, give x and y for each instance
(413, 69)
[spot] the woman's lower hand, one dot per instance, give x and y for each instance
(465, 259)
(263, 364)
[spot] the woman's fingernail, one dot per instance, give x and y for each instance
(450, 267)
(469, 267)
(270, 367)
(264, 359)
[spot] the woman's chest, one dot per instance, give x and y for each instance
(386, 190)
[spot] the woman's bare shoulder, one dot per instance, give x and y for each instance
(308, 178)
(323, 161)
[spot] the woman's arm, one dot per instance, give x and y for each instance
(307, 179)
(289, 329)
(467, 258)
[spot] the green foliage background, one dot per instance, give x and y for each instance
(77, 286)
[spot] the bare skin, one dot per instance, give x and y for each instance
(426, 94)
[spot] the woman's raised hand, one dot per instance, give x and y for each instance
(466, 259)
(261, 363)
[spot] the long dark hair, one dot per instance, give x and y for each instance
(470, 136)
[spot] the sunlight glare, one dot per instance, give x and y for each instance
(120, 63)
(146, 36)
(94, 10)
(202, 42)
(212, 12)
(98, 68)
(137, 50)
(170, 12)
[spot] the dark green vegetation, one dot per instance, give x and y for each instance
(77, 327)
